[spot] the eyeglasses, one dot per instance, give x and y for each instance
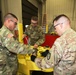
(33, 23)
(14, 22)
(59, 24)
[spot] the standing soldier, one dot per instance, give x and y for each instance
(10, 47)
(35, 33)
(62, 56)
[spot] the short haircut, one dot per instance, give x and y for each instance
(59, 16)
(34, 18)
(9, 15)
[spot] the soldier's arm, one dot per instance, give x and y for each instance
(41, 38)
(14, 46)
(51, 59)
(46, 62)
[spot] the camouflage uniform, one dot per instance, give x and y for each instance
(9, 48)
(62, 56)
(35, 34)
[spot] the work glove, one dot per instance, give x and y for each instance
(34, 54)
(44, 54)
(35, 51)
(33, 58)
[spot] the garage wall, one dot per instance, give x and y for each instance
(56, 7)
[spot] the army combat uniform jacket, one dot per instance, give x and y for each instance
(35, 34)
(9, 48)
(62, 56)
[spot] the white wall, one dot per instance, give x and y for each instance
(56, 7)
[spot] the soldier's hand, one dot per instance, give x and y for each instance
(33, 58)
(44, 54)
(35, 45)
(23, 36)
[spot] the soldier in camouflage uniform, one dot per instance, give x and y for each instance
(62, 56)
(35, 33)
(10, 47)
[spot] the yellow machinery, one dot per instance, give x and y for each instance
(25, 64)
(20, 32)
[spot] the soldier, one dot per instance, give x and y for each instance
(62, 56)
(10, 47)
(35, 33)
